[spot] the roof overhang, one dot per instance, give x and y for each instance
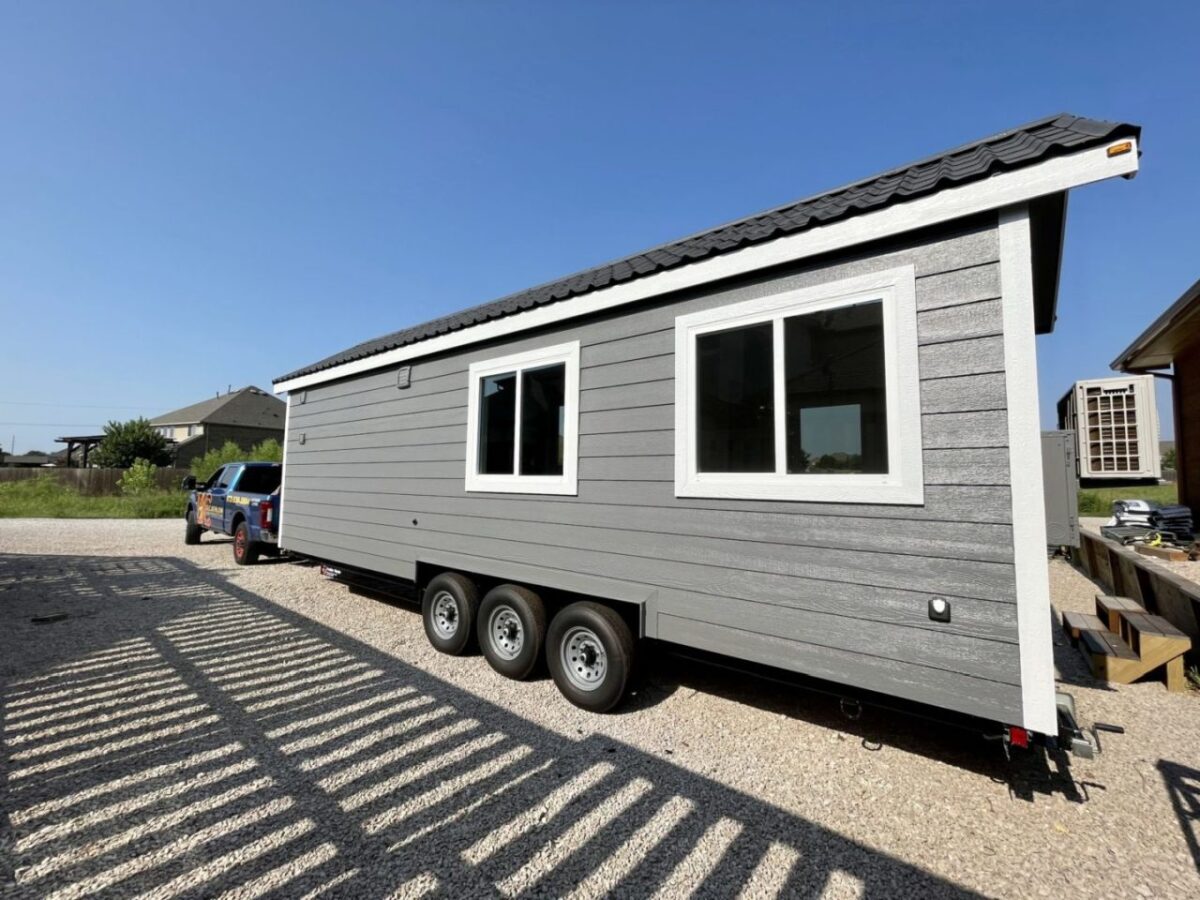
(1172, 332)
(1047, 230)
(1037, 185)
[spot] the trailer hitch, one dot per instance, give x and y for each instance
(1084, 744)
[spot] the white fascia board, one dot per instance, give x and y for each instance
(287, 435)
(1005, 189)
(1036, 648)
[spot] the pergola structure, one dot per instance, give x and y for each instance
(86, 443)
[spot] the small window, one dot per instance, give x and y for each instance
(807, 395)
(836, 391)
(227, 475)
(498, 424)
(522, 428)
(735, 399)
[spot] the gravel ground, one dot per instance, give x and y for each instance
(195, 729)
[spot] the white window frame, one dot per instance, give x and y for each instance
(567, 482)
(904, 482)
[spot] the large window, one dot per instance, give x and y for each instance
(806, 395)
(523, 431)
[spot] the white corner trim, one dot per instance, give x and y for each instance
(904, 483)
(567, 483)
(287, 435)
(1005, 189)
(1025, 460)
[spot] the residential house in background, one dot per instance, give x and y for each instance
(246, 417)
(31, 460)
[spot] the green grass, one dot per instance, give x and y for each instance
(45, 498)
(1098, 501)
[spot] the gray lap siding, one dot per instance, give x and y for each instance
(838, 591)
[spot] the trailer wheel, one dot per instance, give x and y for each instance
(245, 551)
(192, 532)
(512, 629)
(449, 609)
(590, 653)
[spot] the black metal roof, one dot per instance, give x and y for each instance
(1019, 147)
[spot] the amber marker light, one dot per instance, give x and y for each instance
(1120, 149)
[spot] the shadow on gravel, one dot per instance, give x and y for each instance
(1183, 787)
(182, 736)
(1029, 773)
(668, 668)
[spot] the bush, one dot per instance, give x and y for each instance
(126, 442)
(269, 450)
(138, 479)
(204, 466)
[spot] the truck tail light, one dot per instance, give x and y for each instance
(266, 514)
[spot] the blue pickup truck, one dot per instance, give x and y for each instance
(242, 500)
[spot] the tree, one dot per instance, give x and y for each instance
(204, 466)
(125, 442)
(1168, 459)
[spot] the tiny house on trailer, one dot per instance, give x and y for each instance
(1115, 421)
(807, 439)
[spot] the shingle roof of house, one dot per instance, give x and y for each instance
(28, 459)
(1026, 145)
(251, 406)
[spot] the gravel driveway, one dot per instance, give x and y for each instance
(195, 729)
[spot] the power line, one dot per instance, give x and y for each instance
(51, 424)
(70, 405)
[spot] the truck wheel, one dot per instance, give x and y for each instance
(192, 532)
(590, 653)
(245, 551)
(512, 629)
(449, 609)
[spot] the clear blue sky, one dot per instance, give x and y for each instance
(198, 195)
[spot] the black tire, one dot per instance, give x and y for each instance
(449, 609)
(192, 532)
(245, 551)
(512, 630)
(590, 652)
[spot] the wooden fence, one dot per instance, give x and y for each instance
(93, 482)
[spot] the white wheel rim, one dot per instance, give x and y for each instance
(445, 615)
(505, 632)
(584, 660)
